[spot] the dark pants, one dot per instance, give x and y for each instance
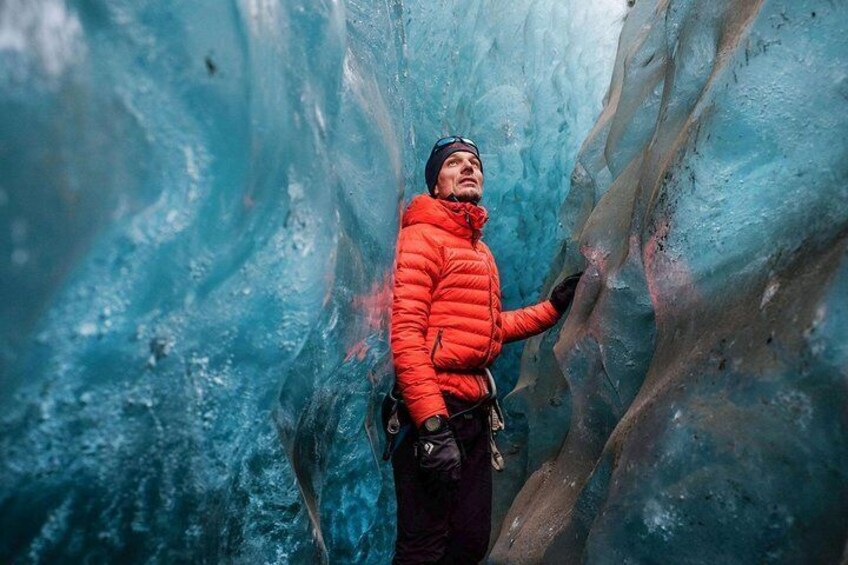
(438, 523)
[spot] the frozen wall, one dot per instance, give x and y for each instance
(192, 194)
(704, 364)
(198, 208)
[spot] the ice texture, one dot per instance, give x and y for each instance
(704, 363)
(198, 210)
(194, 194)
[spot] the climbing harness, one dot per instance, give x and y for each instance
(397, 431)
(496, 424)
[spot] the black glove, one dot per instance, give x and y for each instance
(563, 293)
(438, 452)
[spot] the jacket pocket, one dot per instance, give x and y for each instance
(437, 343)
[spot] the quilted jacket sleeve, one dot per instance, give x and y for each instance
(529, 321)
(417, 268)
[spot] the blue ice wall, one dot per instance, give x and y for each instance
(198, 208)
(192, 195)
(704, 360)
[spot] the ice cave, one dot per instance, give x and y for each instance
(199, 208)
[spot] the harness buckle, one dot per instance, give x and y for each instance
(393, 427)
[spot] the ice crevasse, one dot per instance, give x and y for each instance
(198, 206)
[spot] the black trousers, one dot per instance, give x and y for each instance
(439, 523)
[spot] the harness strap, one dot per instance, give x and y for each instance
(396, 432)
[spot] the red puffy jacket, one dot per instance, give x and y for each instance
(447, 323)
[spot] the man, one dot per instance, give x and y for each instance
(446, 329)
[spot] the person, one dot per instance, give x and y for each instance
(447, 327)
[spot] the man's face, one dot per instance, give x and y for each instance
(462, 176)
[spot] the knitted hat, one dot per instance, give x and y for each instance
(439, 155)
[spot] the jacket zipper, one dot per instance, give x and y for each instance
(436, 345)
(491, 339)
(491, 309)
(492, 319)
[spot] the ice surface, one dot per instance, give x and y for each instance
(199, 205)
(704, 361)
(195, 198)
(198, 208)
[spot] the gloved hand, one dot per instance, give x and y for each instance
(563, 293)
(438, 452)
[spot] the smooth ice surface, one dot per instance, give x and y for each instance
(198, 208)
(192, 195)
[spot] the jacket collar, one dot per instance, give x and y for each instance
(463, 219)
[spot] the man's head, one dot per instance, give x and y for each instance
(454, 169)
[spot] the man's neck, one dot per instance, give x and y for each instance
(453, 198)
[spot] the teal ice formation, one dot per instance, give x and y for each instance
(198, 209)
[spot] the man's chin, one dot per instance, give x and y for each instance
(472, 196)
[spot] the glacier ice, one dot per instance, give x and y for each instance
(198, 205)
(704, 362)
(188, 192)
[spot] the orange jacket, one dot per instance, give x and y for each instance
(447, 323)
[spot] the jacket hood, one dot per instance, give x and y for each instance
(460, 218)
